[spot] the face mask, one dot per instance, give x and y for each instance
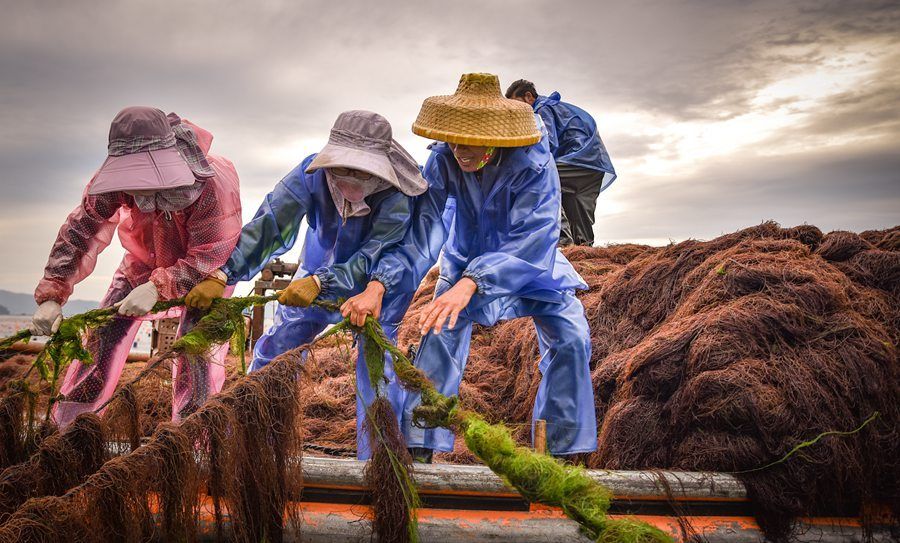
(350, 188)
(349, 193)
(177, 199)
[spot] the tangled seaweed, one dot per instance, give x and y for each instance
(726, 354)
(396, 499)
(260, 446)
(62, 461)
(722, 352)
(537, 477)
(244, 444)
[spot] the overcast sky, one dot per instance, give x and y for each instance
(717, 114)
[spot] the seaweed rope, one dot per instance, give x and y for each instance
(224, 320)
(537, 477)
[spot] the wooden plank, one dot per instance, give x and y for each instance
(540, 436)
(457, 479)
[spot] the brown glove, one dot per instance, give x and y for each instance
(301, 292)
(202, 296)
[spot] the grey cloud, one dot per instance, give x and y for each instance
(833, 189)
(260, 75)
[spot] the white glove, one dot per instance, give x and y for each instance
(46, 319)
(139, 301)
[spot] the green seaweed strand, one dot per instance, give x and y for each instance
(537, 477)
(813, 441)
(7, 342)
(224, 320)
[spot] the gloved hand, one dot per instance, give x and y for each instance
(139, 301)
(46, 319)
(301, 292)
(202, 295)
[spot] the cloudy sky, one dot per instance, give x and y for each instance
(717, 114)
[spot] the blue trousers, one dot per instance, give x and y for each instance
(565, 397)
(295, 326)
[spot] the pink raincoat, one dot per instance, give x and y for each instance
(174, 250)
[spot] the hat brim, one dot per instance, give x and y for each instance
(474, 139)
(491, 121)
(148, 170)
(338, 156)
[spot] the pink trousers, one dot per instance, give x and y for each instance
(88, 386)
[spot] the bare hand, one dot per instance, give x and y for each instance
(447, 305)
(368, 302)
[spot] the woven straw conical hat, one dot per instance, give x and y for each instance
(477, 114)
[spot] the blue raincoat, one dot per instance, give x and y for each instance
(341, 253)
(573, 136)
(503, 234)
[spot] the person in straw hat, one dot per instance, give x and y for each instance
(492, 209)
(177, 210)
(356, 195)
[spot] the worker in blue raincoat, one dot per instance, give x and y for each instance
(584, 166)
(499, 260)
(356, 195)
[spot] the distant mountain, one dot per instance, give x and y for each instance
(23, 304)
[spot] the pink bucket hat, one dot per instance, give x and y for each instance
(142, 155)
(363, 140)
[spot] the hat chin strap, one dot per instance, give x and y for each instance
(486, 158)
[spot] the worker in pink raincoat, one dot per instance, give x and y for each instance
(178, 213)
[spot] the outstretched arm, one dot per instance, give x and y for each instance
(273, 230)
(87, 231)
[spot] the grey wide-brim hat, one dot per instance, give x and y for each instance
(362, 140)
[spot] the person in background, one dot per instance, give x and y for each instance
(499, 260)
(584, 166)
(177, 209)
(356, 195)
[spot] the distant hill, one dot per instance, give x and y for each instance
(23, 304)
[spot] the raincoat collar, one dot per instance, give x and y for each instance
(551, 100)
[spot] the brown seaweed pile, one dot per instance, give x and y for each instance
(725, 354)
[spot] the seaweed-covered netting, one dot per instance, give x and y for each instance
(718, 355)
(242, 448)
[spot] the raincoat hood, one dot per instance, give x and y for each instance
(204, 136)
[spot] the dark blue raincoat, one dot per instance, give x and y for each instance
(573, 136)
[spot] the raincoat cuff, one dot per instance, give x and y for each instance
(478, 279)
(160, 279)
(382, 278)
(229, 275)
(327, 280)
(49, 289)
